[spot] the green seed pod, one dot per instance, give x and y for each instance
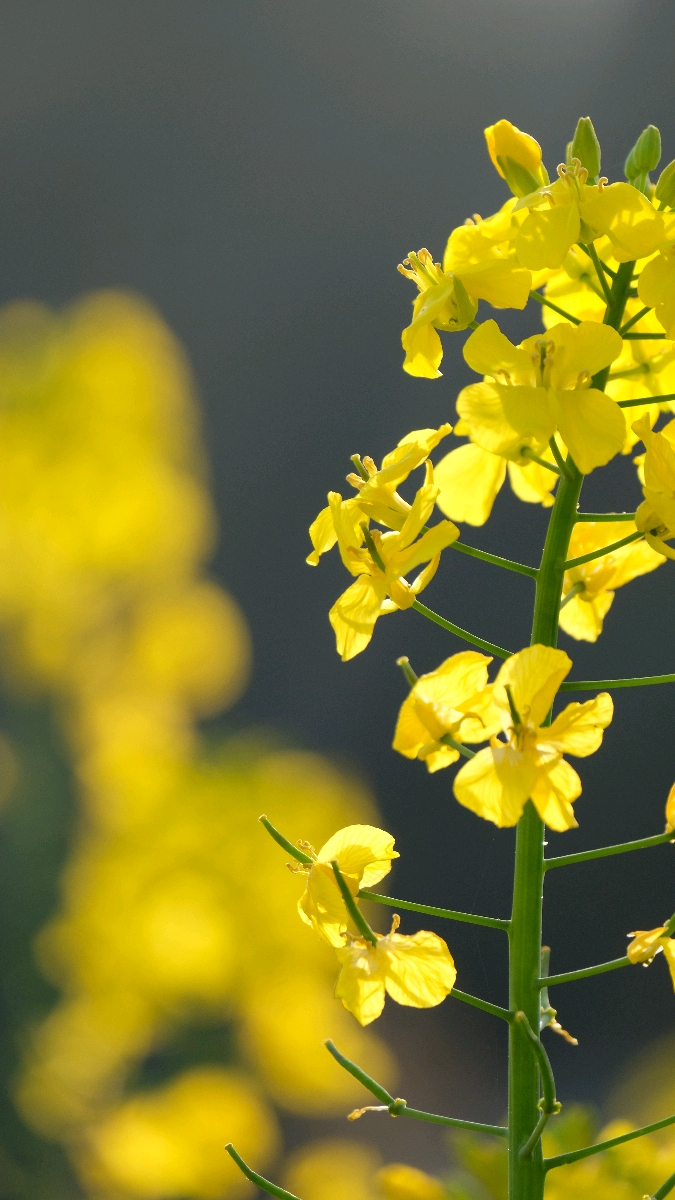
(586, 147)
(665, 188)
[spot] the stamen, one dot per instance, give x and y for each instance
(583, 379)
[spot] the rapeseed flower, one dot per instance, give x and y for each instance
(542, 386)
(647, 943)
(417, 971)
(656, 287)
(498, 781)
(516, 157)
(469, 479)
(454, 700)
(364, 854)
(594, 583)
(380, 568)
(656, 515)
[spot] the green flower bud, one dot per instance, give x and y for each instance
(521, 181)
(586, 147)
(665, 188)
(645, 155)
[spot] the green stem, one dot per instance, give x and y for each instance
(351, 905)
(634, 320)
(448, 914)
(602, 278)
(562, 465)
(527, 453)
(662, 1192)
(584, 558)
(549, 304)
(574, 591)
(566, 860)
(645, 400)
(507, 563)
(535, 1135)
(643, 337)
(548, 1103)
(605, 516)
(489, 647)
(584, 973)
(263, 1184)
(494, 1009)
(585, 685)
(284, 842)
(561, 1160)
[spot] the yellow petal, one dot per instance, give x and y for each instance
(438, 757)
(546, 236)
(495, 784)
(645, 944)
(361, 993)
(635, 560)
(656, 284)
(505, 140)
(468, 479)
(532, 483)
(361, 850)
(488, 351)
(553, 794)
(633, 225)
(420, 971)
(423, 351)
(322, 906)
(669, 955)
(502, 282)
(592, 426)
(582, 619)
(534, 675)
(354, 614)
(323, 536)
(578, 728)
(438, 538)
(589, 346)
(503, 419)
(670, 808)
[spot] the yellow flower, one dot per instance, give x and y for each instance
(455, 699)
(417, 971)
(647, 943)
(469, 479)
(381, 586)
(378, 498)
(656, 287)
(449, 301)
(398, 1181)
(670, 809)
(541, 386)
(497, 783)
(571, 210)
(656, 515)
(582, 616)
(364, 855)
(516, 157)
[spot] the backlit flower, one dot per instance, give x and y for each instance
(469, 479)
(596, 581)
(516, 157)
(455, 699)
(364, 855)
(647, 943)
(417, 971)
(528, 763)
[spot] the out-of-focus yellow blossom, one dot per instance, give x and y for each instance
(497, 783)
(380, 586)
(670, 809)
(656, 515)
(398, 1181)
(516, 156)
(455, 699)
(656, 287)
(540, 387)
(364, 855)
(469, 479)
(417, 971)
(169, 1142)
(582, 616)
(571, 210)
(448, 300)
(378, 499)
(647, 943)
(333, 1169)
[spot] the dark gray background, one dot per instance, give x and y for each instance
(257, 170)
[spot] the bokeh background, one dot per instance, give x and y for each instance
(202, 209)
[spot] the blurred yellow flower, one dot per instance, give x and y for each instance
(498, 781)
(397, 1181)
(454, 700)
(594, 583)
(333, 1169)
(364, 855)
(541, 386)
(417, 971)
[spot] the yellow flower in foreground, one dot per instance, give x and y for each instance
(364, 855)
(455, 699)
(540, 387)
(469, 479)
(582, 616)
(497, 783)
(516, 156)
(647, 943)
(381, 586)
(417, 971)
(449, 301)
(377, 498)
(656, 515)
(656, 287)
(398, 1181)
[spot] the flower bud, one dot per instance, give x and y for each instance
(665, 188)
(645, 155)
(517, 157)
(586, 147)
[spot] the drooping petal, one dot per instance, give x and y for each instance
(534, 675)
(361, 992)
(423, 351)
(468, 480)
(592, 426)
(412, 736)
(582, 619)
(495, 784)
(553, 794)
(578, 729)
(361, 850)
(354, 614)
(420, 970)
(532, 483)
(322, 535)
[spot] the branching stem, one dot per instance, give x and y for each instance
(566, 860)
(449, 914)
(561, 1160)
